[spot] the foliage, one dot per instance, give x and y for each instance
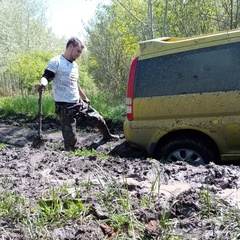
(116, 29)
(24, 36)
(23, 28)
(112, 42)
(55, 208)
(2, 145)
(58, 207)
(199, 13)
(112, 205)
(86, 81)
(111, 50)
(108, 106)
(87, 153)
(28, 105)
(12, 206)
(12, 106)
(28, 69)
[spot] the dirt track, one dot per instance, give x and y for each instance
(197, 202)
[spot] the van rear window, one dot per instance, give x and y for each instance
(210, 69)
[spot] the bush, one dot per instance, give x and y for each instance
(28, 69)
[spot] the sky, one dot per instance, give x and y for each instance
(66, 17)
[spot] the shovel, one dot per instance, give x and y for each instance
(38, 139)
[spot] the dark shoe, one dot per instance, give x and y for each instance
(106, 139)
(70, 149)
(110, 137)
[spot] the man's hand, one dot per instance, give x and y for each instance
(86, 100)
(42, 85)
(40, 88)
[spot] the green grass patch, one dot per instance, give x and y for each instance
(89, 153)
(2, 145)
(108, 107)
(12, 207)
(11, 106)
(59, 207)
(28, 105)
(55, 208)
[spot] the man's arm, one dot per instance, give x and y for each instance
(46, 77)
(83, 95)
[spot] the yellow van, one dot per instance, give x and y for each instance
(183, 98)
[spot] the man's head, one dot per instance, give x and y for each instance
(74, 49)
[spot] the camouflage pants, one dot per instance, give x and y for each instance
(68, 122)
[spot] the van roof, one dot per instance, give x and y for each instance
(169, 45)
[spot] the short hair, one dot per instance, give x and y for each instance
(75, 42)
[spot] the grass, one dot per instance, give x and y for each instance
(63, 205)
(117, 200)
(54, 209)
(108, 107)
(2, 145)
(220, 213)
(206, 198)
(60, 206)
(12, 206)
(28, 105)
(12, 106)
(89, 153)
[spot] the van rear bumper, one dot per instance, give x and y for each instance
(141, 138)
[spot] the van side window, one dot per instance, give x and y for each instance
(189, 72)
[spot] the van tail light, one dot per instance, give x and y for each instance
(130, 90)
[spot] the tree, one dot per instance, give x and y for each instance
(24, 31)
(23, 27)
(28, 69)
(117, 28)
(112, 47)
(229, 11)
(165, 19)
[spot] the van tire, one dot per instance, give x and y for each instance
(192, 151)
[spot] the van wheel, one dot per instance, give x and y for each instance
(191, 151)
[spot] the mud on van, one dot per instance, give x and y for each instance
(183, 98)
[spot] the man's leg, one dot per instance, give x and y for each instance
(68, 124)
(94, 118)
(69, 132)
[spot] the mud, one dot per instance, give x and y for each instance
(175, 200)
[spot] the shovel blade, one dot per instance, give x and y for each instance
(38, 141)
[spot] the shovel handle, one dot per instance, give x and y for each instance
(40, 114)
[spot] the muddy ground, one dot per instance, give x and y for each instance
(167, 200)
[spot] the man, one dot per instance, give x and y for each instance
(62, 71)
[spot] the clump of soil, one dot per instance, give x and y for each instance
(167, 199)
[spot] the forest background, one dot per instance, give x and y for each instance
(112, 41)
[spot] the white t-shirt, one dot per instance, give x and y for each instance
(65, 82)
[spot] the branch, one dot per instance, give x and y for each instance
(131, 13)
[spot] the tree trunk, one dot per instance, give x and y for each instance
(165, 19)
(150, 19)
